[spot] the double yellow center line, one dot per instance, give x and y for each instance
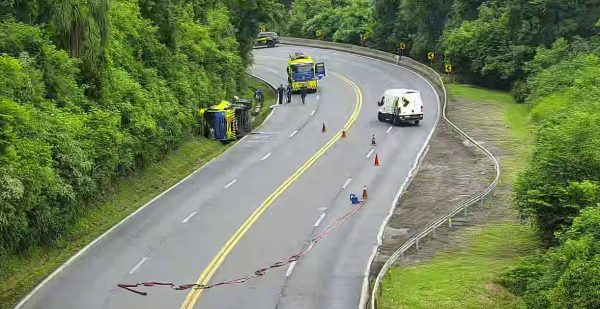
(212, 267)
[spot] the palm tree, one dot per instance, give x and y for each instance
(81, 25)
(82, 28)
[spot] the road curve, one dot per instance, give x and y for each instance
(177, 236)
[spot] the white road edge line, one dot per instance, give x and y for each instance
(230, 183)
(388, 130)
(290, 269)
(135, 268)
(313, 112)
(93, 242)
(346, 183)
(266, 156)
(320, 219)
(188, 217)
(370, 153)
(293, 133)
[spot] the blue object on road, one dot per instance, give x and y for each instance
(353, 198)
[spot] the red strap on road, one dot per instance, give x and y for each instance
(258, 273)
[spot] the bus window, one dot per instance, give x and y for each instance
(303, 72)
(302, 68)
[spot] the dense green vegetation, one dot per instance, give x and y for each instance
(93, 90)
(548, 53)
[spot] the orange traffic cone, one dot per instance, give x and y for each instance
(376, 160)
(323, 130)
(373, 143)
(365, 196)
(343, 133)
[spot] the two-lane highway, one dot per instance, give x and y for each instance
(261, 201)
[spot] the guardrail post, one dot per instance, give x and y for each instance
(465, 210)
(450, 222)
(417, 244)
(433, 233)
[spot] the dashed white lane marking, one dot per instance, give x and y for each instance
(188, 217)
(265, 157)
(313, 112)
(370, 152)
(290, 269)
(293, 133)
(319, 220)
(346, 183)
(135, 268)
(388, 130)
(322, 208)
(230, 183)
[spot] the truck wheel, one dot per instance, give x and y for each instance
(271, 44)
(395, 121)
(417, 122)
(380, 117)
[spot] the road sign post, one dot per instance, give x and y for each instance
(448, 68)
(431, 57)
(402, 47)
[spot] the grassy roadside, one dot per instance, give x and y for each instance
(270, 99)
(20, 274)
(465, 275)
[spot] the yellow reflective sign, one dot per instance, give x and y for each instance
(263, 28)
(430, 55)
(319, 33)
(402, 46)
(448, 68)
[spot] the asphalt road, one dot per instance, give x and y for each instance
(177, 236)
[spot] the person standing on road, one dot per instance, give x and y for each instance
(303, 93)
(280, 93)
(289, 93)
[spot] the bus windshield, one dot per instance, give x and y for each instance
(302, 72)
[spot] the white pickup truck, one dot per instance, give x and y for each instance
(400, 106)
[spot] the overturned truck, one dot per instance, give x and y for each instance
(227, 121)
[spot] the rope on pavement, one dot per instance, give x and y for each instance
(258, 273)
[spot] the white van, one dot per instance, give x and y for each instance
(400, 105)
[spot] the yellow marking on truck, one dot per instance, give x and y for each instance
(194, 295)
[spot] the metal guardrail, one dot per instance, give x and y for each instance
(431, 75)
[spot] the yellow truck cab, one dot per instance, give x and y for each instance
(303, 71)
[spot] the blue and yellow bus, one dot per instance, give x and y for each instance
(304, 72)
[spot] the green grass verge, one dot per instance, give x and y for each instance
(517, 117)
(270, 98)
(464, 277)
(20, 274)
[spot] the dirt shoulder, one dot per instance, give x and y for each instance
(450, 174)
